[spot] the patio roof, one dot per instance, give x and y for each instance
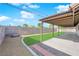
(63, 19)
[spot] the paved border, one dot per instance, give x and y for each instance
(33, 53)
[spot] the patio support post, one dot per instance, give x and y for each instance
(58, 30)
(61, 30)
(41, 32)
(73, 17)
(73, 10)
(52, 29)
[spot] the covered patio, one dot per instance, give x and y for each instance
(69, 18)
(66, 19)
(66, 44)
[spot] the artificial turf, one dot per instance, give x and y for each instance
(30, 40)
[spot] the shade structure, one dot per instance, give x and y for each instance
(63, 19)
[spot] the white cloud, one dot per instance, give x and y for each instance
(19, 20)
(30, 5)
(22, 21)
(24, 7)
(16, 4)
(3, 18)
(33, 6)
(62, 8)
(27, 15)
(12, 24)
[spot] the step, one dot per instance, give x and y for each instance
(53, 50)
(42, 50)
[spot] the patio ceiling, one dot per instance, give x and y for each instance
(63, 19)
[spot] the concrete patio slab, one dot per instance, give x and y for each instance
(67, 43)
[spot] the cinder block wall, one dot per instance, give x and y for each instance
(2, 34)
(6, 30)
(29, 31)
(10, 30)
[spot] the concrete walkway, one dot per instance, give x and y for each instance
(13, 47)
(67, 43)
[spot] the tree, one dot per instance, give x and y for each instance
(19, 26)
(39, 25)
(31, 26)
(25, 25)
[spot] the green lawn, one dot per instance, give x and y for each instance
(36, 39)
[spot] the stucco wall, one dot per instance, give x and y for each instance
(69, 29)
(2, 34)
(77, 29)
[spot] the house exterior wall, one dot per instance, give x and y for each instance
(69, 29)
(77, 29)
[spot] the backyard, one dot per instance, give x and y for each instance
(30, 40)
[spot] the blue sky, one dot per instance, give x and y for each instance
(34, 11)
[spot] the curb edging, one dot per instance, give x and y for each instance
(26, 46)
